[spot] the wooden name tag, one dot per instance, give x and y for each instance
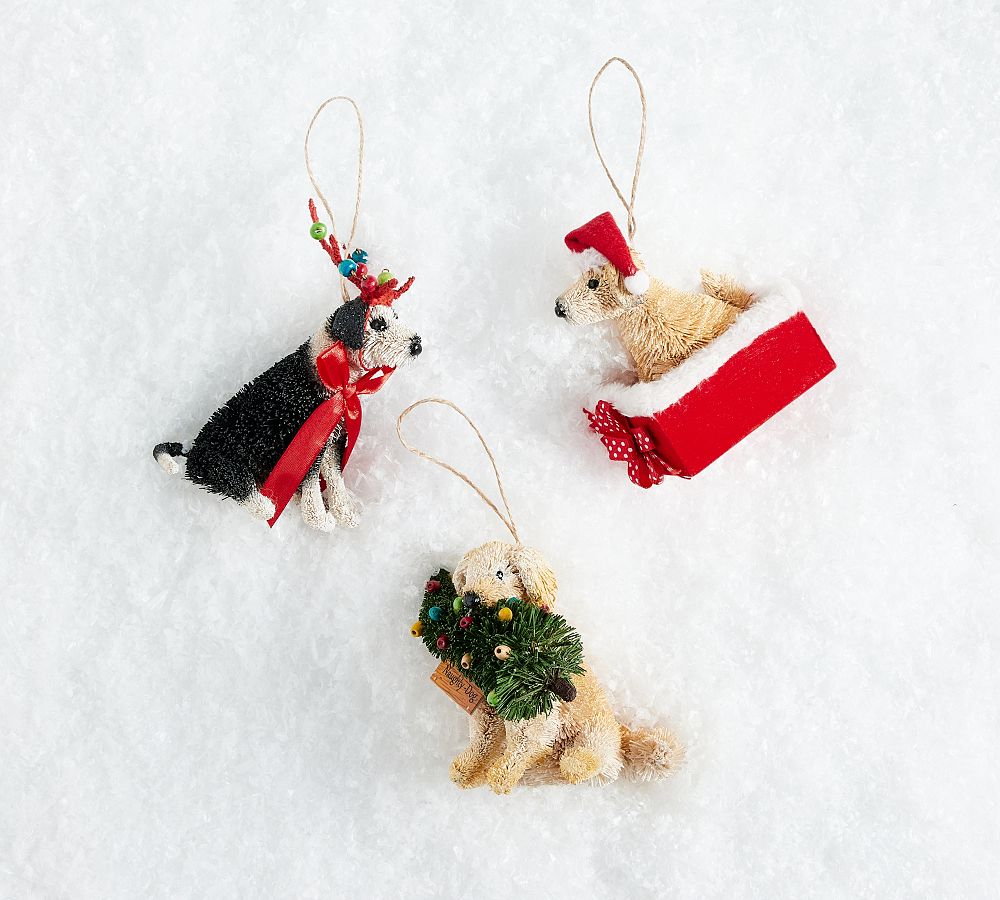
(457, 686)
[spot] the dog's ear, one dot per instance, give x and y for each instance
(458, 576)
(538, 579)
(347, 324)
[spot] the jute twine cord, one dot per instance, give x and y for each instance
(508, 520)
(360, 183)
(630, 203)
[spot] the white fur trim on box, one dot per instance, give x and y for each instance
(773, 306)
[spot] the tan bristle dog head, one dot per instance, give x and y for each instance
(497, 570)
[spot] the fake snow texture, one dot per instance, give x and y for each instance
(191, 705)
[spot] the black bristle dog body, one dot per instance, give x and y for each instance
(239, 446)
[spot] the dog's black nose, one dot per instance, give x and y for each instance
(415, 347)
(471, 599)
(560, 309)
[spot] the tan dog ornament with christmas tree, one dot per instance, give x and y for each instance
(538, 715)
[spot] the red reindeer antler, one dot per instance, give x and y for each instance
(388, 292)
(330, 247)
(372, 292)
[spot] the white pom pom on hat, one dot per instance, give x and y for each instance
(602, 234)
(638, 283)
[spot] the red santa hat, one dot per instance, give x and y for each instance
(601, 241)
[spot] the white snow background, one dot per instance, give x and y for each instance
(192, 705)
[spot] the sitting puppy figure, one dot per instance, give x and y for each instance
(579, 739)
(659, 326)
(241, 444)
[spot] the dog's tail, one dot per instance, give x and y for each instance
(726, 289)
(166, 455)
(650, 753)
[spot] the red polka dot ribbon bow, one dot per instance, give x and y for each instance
(625, 440)
(309, 441)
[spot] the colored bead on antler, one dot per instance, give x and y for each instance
(354, 268)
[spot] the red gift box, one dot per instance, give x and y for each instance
(687, 419)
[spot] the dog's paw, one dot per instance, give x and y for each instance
(467, 773)
(500, 783)
(579, 764)
(259, 506)
(501, 778)
(346, 509)
(321, 521)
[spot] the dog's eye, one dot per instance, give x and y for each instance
(378, 325)
(593, 284)
(499, 574)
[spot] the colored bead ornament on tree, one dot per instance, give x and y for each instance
(384, 276)
(541, 651)
(317, 230)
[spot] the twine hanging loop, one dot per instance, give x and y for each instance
(360, 179)
(629, 204)
(508, 520)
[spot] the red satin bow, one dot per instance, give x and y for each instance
(312, 437)
(625, 440)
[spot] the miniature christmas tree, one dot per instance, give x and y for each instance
(518, 654)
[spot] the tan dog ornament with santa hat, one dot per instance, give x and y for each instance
(659, 326)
